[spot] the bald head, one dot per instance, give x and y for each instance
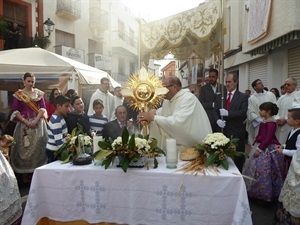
(173, 84)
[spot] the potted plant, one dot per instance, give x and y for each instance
(3, 31)
(41, 41)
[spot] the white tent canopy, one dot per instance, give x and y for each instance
(46, 65)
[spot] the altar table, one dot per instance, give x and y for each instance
(65, 192)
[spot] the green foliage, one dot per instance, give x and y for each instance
(68, 151)
(3, 27)
(41, 41)
(218, 150)
(126, 150)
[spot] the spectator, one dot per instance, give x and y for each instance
(285, 102)
(114, 128)
(50, 106)
(209, 94)
(57, 127)
(255, 100)
(70, 93)
(234, 114)
(98, 120)
(248, 93)
(12, 40)
(275, 92)
(118, 96)
(282, 89)
(77, 115)
(107, 98)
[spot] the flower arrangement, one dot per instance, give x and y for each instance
(70, 149)
(128, 149)
(217, 146)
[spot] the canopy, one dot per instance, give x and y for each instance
(46, 65)
(196, 30)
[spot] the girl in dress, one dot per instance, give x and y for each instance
(264, 165)
(29, 111)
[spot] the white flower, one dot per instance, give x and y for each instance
(87, 140)
(216, 140)
(73, 139)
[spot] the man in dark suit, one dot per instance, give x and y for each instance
(209, 94)
(114, 128)
(232, 115)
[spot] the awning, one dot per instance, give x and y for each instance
(195, 30)
(278, 42)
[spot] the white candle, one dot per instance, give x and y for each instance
(96, 139)
(171, 153)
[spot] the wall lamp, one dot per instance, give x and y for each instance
(182, 75)
(49, 26)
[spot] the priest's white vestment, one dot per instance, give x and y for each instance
(182, 118)
(284, 103)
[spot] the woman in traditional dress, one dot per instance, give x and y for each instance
(29, 111)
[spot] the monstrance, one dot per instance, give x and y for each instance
(144, 92)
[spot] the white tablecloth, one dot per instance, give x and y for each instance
(64, 192)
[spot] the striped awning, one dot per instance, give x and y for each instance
(278, 42)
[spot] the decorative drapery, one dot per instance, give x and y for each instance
(195, 30)
(259, 17)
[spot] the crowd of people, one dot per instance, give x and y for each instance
(272, 125)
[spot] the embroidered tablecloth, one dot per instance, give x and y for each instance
(65, 192)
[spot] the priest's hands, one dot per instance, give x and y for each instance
(146, 116)
(221, 123)
(223, 112)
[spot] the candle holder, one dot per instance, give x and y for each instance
(96, 148)
(171, 153)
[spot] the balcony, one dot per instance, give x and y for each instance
(98, 19)
(122, 41)
(69, 9)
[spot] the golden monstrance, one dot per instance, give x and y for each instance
(144, 92)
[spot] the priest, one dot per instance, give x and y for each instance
(181, 117)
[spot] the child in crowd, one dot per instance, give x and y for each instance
(264, 165)
(57, 127)
(78, 116)
(6, 142)
(288, 211)
(97, 120)
(293, 142)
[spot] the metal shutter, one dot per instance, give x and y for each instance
(294, 64)
(258, 69)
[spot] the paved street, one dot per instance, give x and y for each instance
(262, 214)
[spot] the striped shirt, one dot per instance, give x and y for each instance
(57, 132)
(97, 123)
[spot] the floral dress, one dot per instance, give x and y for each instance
(266, 169)
(29, 151)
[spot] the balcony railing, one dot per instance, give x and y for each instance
(69, 9)
(98, 19)
(124, 37)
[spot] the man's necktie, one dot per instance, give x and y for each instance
(123, 124)
(228, 100)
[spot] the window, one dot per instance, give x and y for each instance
(121, 30)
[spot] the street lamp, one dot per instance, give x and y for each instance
(182, 75)
(48, 26)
